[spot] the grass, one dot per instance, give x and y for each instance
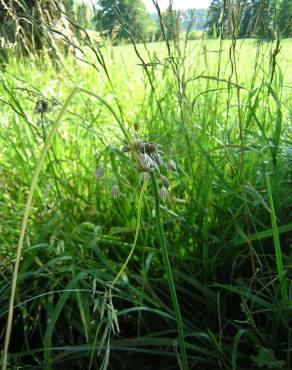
(229, 209)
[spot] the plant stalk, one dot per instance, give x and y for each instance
(24, 224)
(181, 340)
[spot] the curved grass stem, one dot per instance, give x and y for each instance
(169, 276)
(24, 224)
(33, 185)
(136, 235)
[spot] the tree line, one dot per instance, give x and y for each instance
(250, 18)
(22, 21)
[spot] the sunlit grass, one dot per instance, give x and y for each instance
(218, 217)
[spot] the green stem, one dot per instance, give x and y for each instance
(24, 224)
(277, 244)
(169, 276)
(136, 235)
(33, 185)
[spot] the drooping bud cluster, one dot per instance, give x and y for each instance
(148, 154)
(148, 158)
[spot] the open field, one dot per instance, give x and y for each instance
(222, 113)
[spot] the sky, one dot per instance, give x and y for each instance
(178, 4)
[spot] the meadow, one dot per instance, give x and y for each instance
(114, 276)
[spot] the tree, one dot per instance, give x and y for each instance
(216, 17)
(172, 23)
(245, 19)
(116, 16)
(263, 17)
(285, 18)
(250, 17)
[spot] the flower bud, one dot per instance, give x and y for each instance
(164, 193)
(99, 173)
(146, 162)
(156, 158)
(164, 181)
(171, 165)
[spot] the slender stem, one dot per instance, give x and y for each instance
(277, 244)
(24, 224)
(33, 185)
(169, 276)
(136, 235)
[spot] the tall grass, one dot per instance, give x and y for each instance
(222, 110)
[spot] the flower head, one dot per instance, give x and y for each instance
(99, 173)
(171, 165)
(42, 106)
(156, 158)
(164, 181)
(146, 162)
(164, 193)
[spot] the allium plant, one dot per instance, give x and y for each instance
(148, 161)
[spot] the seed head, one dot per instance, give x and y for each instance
(171, 165)
(164, 193)
(164, 181)
(99, 173)
(115, 192)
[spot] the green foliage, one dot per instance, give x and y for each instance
(266, 358)
(249, 18)
(226, 123)
(285, 18)
(115, 16)
(216, 15)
